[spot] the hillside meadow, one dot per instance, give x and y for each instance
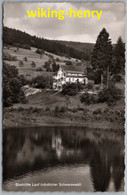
(50, 108)
(29, 71)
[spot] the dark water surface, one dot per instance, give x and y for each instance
(91, 159)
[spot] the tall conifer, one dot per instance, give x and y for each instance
(102, 55)
(119, 57)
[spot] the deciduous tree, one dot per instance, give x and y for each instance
(12, 92)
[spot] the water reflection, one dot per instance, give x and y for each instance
(38, 149)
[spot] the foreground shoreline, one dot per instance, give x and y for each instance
(54, 121)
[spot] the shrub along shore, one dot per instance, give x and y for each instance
(104, 118)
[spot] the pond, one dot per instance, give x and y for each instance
(62, 158)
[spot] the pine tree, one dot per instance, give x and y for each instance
(119, 57)
(102, 55)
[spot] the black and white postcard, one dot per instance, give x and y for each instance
(63, 68)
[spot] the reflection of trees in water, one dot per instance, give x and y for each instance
(12, 142)
(100, 172)
(106, 156)
(118, 172)
(59, 146)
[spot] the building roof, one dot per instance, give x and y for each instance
(75, 72)
(73, 76)
(71, 68)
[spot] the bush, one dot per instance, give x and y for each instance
(33, 64)
(14, 58)
(110, 95)
(57, 59)
(68, 62)
(42, 82)
(25, 59)
(56, 111)
(89, 86)
(47, 109)
(39, 69)
(23, 80)
(87, 99)
(37, 110)
(40, 51)
(105, 110)
(20, 109)
(21, 63)
(7, 56)
(97, 111)
(71, 89)
(63, 109)
(74, 110)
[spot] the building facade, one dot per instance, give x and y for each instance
(63, 77)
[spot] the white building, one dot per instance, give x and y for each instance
(62, 77)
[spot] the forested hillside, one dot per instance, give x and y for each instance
(84, 47)
(18, 38)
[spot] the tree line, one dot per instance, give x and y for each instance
(21, 39)
(107, 60)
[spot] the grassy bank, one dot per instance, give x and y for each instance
(49, 108)
(33, 116)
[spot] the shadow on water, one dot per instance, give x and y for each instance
(27, 150)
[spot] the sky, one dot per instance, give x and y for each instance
(70, 29)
